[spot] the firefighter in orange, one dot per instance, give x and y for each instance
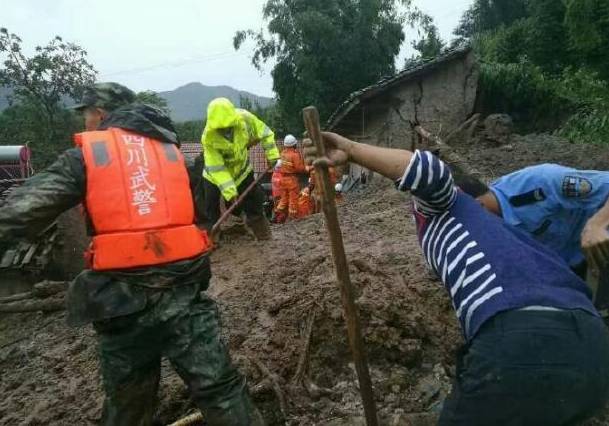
(292, 164)
(305, 203)
(278, 216)
(316, 190)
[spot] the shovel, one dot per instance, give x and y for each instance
(238, 201)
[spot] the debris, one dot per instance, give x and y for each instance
(283, 406)
(304, 356)
(193, 419)
(465, 131)
(409, 323)
(40, 290)
(30, 301)
(498, 128)
(34, 306)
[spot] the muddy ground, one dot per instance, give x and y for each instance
(272, 297)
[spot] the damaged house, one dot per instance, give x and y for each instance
(439, 95)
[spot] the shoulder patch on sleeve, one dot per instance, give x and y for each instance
(576, 187)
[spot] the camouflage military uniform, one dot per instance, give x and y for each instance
(140, 315)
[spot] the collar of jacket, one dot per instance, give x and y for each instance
(145, 120)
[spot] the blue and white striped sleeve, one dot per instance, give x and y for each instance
(431, 183)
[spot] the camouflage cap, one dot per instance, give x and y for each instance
(108, 96)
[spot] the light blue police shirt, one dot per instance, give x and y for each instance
(553, 203)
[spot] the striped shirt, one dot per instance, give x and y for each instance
(485, 265)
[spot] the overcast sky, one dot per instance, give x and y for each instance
(149, 45)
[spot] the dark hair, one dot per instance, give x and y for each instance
(468, 183)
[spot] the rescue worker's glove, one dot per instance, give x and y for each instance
(337, 147)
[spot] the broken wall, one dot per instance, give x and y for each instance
(440, 100)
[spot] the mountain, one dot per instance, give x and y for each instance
(190, 102)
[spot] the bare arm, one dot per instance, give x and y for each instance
(388, 162)
(595, 237)
(427, 178)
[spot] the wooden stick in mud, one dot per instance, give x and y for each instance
(449, 155)
(311, 120)
(33, 306)
(189, 420)
(237, 203)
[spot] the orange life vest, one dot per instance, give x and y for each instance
(138, 200)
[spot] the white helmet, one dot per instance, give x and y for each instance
(338, 187)
(289, 140)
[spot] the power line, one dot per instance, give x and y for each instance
(176, 64)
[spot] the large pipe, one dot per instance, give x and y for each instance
(14, 154)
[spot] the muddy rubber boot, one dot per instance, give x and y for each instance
(260, 227)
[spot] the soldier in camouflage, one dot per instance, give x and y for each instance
(140, 315)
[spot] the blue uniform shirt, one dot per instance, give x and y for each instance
(486, 265)
(553, 204)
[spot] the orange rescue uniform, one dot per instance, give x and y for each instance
(316, 195)
(291, 165)
(138, 200)
(305, 203)
(276, 184)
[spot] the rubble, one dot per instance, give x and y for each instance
(498, 128)
(281, 309)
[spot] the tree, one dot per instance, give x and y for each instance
(545, 61)
(587, 25)
(55, 71)
(19, 126)
(39, 84)
(326, 49)
(152, 98)
(547, 42)
(507, 31)
(190, 131)
(430, 45)
(485, 15)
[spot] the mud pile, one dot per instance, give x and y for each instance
(285, 296)
(282, 320)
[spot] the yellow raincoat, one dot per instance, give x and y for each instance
(227, 160)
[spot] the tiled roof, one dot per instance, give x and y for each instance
(410, 73)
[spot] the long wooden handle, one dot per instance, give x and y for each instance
(447, 153)
(311, 120)
(238, 201)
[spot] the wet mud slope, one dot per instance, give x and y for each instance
(282, 321)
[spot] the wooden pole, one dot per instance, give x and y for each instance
(447, 153)
(311, 120)
(189, 420)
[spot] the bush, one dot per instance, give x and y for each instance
(190, 131)
(22, 124)
(576, 102)
(522, 90)
(590, 95)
